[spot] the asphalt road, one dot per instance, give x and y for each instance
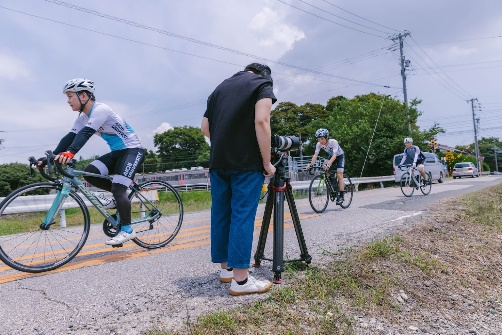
(130, 290)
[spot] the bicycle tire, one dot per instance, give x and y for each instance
(426, 189)
(348, 192)
(407, 184)
(159, 232)
(24, 245)
(318, 194)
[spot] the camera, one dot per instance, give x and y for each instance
(285, 143)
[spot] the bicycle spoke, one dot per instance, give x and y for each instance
(24, 245)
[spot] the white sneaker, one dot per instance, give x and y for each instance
(252, 286)
(107, 203)
(226, 276)
(121, 238)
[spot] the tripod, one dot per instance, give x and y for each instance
(279, 187)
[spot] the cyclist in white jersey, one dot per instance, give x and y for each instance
(124, 159)
(336, 158)
(412, 153)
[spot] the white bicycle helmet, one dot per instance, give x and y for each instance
(78, 85)
(321, 132)
(408, 140)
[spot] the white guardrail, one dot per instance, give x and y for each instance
(302, 185)
(43, 202)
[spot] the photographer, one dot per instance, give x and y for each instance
(237, 121)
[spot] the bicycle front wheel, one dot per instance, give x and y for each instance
(27, 246)
(407, 184)
(348, 192)
(162, 202)
(318, 193)
(426, 189)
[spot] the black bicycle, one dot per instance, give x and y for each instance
(45, 225)
(411, 181)
(321, 190)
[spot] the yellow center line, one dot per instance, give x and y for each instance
(196, 240)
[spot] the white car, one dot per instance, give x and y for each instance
(432, 164)
(465, 169)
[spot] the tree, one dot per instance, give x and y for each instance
(373, 125)
(82, 163)
(151, 163)
(16, 175)
(181, 147)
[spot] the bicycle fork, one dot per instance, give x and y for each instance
(56, 208)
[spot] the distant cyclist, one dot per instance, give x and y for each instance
(413, 154)
(336, 159)
(124, 159)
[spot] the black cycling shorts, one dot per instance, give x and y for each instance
(122, 164)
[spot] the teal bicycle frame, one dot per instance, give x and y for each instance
(65, 189)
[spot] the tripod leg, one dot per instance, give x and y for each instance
(278, 260)
(304, 255)
(267, 214)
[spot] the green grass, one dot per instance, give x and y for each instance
(324, 299)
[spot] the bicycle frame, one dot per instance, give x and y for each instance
(68, 182)
(412, 170)
(327, 181)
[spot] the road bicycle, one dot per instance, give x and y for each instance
(45, 225)
(321, 190)
(411, 181)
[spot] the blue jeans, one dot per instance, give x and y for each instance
(235, 195)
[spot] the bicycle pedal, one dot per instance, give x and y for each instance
(117, 245)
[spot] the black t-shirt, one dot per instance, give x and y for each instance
(231, 114)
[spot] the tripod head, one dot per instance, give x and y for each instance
(280, 161)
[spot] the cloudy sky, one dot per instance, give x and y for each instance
(156, 61)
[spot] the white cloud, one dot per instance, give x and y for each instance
(272, 32)
(458, 52)
(12, 68)
(165, 126)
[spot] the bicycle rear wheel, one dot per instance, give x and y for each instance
(24, 245)
(426, 189)
(318, 193)
(165, 201)
(348, 192)
(407, 184)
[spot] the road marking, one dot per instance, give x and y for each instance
(407, 216)
(187, 238)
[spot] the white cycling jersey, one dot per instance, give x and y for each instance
(331, 148)
(109, 125)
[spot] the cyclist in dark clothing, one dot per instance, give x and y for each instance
(237, 121)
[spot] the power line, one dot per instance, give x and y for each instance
(322, 18)
(207, 58)
(378, 24)
(451, 80)
(322, 10)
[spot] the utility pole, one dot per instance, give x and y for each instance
(1, 140)
(476, 148)
(404, 64)
(495, 152)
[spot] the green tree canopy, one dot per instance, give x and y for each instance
(181, 147)
(369, 124)
(16, 175)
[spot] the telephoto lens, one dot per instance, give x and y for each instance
(285, 143)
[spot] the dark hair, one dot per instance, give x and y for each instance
(260, 69)
(89, 94)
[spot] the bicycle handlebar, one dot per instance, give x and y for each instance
(312, 168)
(405, 167)
(50, 159)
